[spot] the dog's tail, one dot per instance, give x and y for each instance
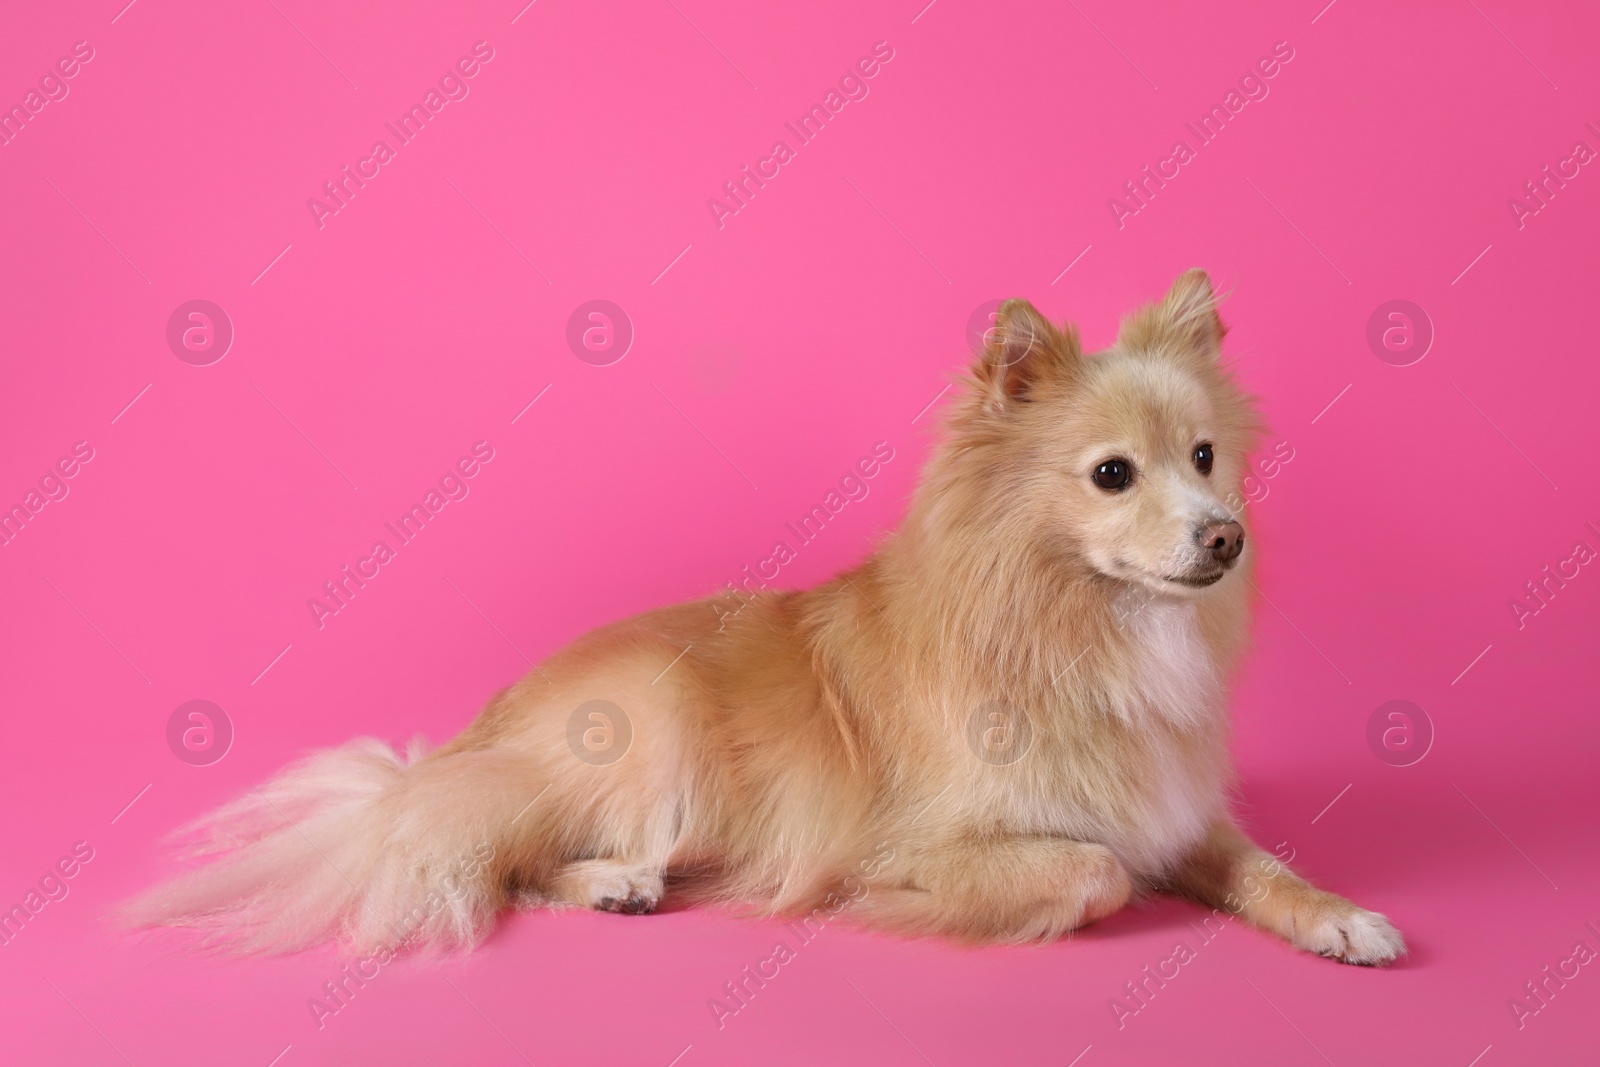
(356, 844)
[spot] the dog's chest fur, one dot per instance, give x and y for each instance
(1172, 673)
(1133, 757)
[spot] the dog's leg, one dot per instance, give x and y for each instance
(1005, 889)
(630, 847)
(1228, 872)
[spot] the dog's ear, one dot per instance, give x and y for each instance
(1185, 323)
(1191, 308)
(1021, 351)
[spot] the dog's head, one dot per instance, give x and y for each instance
(1129, 460)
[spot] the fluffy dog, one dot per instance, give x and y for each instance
(999, 727)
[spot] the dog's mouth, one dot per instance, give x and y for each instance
(1188, 581)
(1194, 582)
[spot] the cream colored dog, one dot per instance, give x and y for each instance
(1002, 725)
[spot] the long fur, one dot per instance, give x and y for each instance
(1002, 724)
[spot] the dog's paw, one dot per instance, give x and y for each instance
(635, 903)
(1352, 935)
(608, 885)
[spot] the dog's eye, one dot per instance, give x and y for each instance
(1113, 474)
(1203, 458)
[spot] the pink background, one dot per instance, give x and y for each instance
(430, 311)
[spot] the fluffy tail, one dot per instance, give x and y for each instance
(356, 844)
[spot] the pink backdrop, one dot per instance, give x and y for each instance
(374, 345)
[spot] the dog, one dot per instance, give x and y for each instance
(1003, 725)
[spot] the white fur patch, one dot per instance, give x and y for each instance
(1182, 802)
(1175, 681)
(1174, 677)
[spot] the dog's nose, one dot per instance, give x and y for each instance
(1224, 540)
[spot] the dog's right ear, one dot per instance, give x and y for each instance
(1022, 351)
(1184, 326)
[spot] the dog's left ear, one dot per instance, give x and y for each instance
(1021, 352)
(1185, 323)
(1191, 308)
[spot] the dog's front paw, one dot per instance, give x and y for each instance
(1351, 934)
